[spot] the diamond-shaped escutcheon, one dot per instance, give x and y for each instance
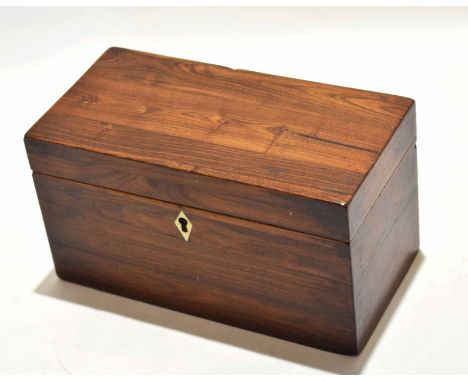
(184, 225)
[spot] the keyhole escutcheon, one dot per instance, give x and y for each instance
(184, 225)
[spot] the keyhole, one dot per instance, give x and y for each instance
(183, 222)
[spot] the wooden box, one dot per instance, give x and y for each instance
(277, 205)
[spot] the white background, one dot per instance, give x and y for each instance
(50, 326)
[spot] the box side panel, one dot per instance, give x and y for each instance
(376, 179)
(385, 245)
(277, 282)
(202, 192)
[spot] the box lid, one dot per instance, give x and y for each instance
(296, 154)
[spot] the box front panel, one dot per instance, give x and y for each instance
(278, 282)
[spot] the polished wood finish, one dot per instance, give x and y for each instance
(279, 282)
(302, 196)
(252, 275)
(312, 143)
(384, 246)
(378, 176)
(189, 189)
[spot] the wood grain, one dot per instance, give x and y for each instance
(301, 139)
(379, 174)
(385, 246)
(303, 196)
(193, 190)
(251, 275)
(375, 287)
(382, 217)
(279, 282)
(215, 121)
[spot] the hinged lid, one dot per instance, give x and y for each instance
(296, 154)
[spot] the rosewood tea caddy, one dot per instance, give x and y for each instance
(282, 206)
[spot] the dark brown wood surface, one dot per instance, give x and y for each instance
(303, 196)
(311, 290)
(384, 246)
(271, 280)
(376, 286)
(193, 190)
(304, 140)
(378, 176)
